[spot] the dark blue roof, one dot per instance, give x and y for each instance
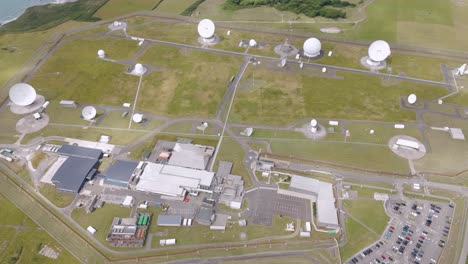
(70, 177)
(120, 172)
(77, 151)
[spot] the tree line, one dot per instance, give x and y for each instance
(310, 8)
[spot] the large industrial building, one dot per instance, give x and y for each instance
(321, 193)
(191, 156)
(120, 173)
(80, 165)
(173, 180)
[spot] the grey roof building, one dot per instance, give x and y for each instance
(77, 151)
(205, 216)
(169, 220)
(70, 177)
(230, 186)
(120, 173)
(80, 165)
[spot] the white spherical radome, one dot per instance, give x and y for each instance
(312, 47)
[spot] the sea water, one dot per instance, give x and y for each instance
(12, 9)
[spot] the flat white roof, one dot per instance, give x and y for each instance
(326, 212)
(205, 177)
(325, 191)
(304, 183)
(407, 143)
(189, 155)
(171, 180)
(128, 200)
(457, 133)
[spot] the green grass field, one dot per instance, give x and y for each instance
(37, 157)
(114, 8)
(15, 49)
(446, 154)
(200, 234)
(8, 133)
(100, 219)
(276, 260)
(60, 199)
(174, 6)
(356, 155)
(430, 23)
(23, 245)
(370, 212)
(118, 137)
(85, 78)
(284, 96)
(231, 151)
(358, 237)
(192, 82)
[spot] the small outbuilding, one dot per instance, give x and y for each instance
(169, 220)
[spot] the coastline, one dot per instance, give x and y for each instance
(22, 11)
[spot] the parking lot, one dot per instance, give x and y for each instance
(417, 233)
(263, 204)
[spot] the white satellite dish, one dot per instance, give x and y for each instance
(313, 123)
(283, 62)
(88, 113)
(379, 50)
(462, 70)
(324, 70)
(139, 69)
(116, 23)
(22, 94)
(229, 33)
(412, 99)
(137, 118)
(312, 47)
(206, 28)
(371, 131)
(301, 65)
(252, 43)
(101, 53)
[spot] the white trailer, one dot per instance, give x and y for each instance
(170, 242)
(91, 230)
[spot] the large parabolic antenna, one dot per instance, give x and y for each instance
(379, 50)
(206, 29)
(89, 112)
(22, 94)
(312, 47)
